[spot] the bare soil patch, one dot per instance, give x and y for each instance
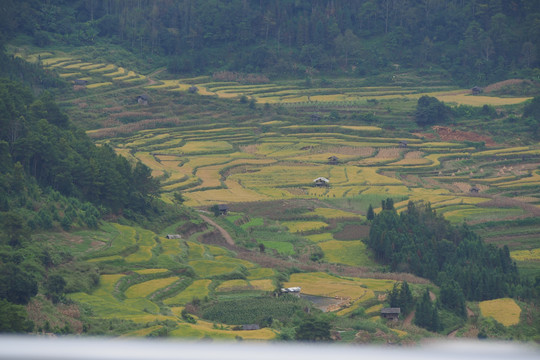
(352, 232)
(388, 153)
(414, 155)
(448, 134)
(428, 136)
(409, 318)
(502, 84)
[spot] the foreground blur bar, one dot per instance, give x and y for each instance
(85, 348)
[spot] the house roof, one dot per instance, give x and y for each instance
(333, 157)
(390, 310)
(321, 179)
(143, 97)
(223, 207)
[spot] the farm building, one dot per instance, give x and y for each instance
(143, 99)
(291, 290)
(193, 89)
(390, 313)
(402, 144)
(474, 190)
(476, 90)
(80, 82)
(333, 160)
(321, 181)
(223, 209)
(173, 236)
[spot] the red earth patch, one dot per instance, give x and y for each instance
(449, 134)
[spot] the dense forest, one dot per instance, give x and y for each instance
(53, 177)
(475, 42)
(43, 158)
(422, 242)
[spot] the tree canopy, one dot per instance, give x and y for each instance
(422, 242)
(475, 41)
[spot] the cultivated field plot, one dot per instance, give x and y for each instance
(505, 311)
(322, 284)
(285, 167)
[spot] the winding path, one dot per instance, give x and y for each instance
(223, 232)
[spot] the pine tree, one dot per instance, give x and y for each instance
(406, 299)
(370, 213)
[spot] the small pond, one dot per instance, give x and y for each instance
(322, 302)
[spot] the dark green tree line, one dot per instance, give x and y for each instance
(420, 241)
(37, 140)
(476, 41)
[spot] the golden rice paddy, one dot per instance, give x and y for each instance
(335, 213)
(504, 311)
(148, 287)
(354, 253)
(96, 85)
(302, 226)
(526, 255)
(199, 289)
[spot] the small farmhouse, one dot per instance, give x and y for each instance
(476, 90)
(291, 290)
(321, 181)
(402, 144)
(474, 190)
(173, 236)
(333, 160)
(143, 99)
(223, 209)
(80, 82)
(390, 313)
(193, 89)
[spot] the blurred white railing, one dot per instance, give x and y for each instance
(87, 348)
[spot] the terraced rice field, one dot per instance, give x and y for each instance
(211, 160)
(505, 311)
(199, 289)
(352, 253)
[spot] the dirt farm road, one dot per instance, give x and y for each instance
(223, 232)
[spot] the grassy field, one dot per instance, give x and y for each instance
(354, 253)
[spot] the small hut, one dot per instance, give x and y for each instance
(390, 313)
(333, 160)
(173, 236)
(80, 82)
(295, 290)
(474, 190)
(143, 99)
(321, 181)
(193, 89)
(402, 144)
(223, 209)
(476, 90)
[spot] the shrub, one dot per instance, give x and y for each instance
(429, 111)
